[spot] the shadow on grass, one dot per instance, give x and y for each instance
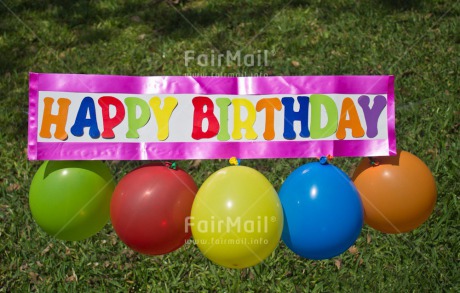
(219, 21)
(402, 4)
(184, 21)
(167, 19)
(57, 25)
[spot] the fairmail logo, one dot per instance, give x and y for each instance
(228, 225)
(227, 59)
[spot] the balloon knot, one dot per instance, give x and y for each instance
(373, 162)
(324, 160)
(234, 161)
(173, 165)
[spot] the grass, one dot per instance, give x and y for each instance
(417, 41)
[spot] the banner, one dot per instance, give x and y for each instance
(108, 117)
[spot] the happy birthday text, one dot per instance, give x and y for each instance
(222, 118)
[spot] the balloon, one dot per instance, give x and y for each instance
(70, 200)
(323, 214)
(237, 217)
(398, 194)
(150, 208)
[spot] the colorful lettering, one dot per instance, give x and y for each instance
(239, 123)
(314, 117)
(59, 120)
(135, 123)
(270, 105)
(162, 116)
(371, 115)
(223, 104)
(111, 122)
(317, 102)
(87, 108)
(204, 110)
(353, 123)
(290, 116)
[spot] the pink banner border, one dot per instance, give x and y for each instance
(345, 84)
(208, 85)
(33, 117)
(391, 119)
(210, 150)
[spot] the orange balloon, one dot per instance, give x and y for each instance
(398, 192)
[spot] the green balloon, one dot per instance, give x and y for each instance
(70, 200)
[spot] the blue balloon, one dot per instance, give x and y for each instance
(323, 213)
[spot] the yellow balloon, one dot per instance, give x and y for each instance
(236, 217)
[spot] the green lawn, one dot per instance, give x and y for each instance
(417, 41)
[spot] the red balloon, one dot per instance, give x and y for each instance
(150, 208)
